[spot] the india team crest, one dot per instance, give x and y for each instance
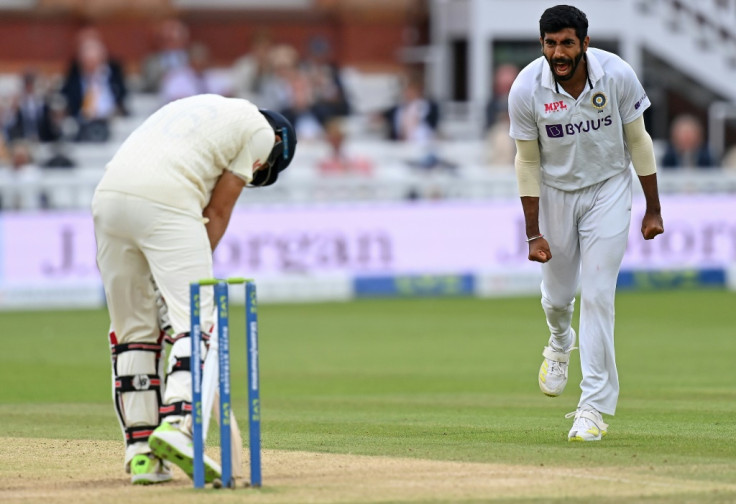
(599, 101)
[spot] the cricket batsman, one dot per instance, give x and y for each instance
(160, 209)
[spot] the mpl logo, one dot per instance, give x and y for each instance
(554, 107)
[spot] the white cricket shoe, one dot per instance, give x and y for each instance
(174, 443)
(588, 425)
(553, 371)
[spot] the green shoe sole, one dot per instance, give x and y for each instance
(167, 451)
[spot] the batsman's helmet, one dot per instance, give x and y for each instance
(283, 150)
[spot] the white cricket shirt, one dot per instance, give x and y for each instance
(177, 155)
(581, 141)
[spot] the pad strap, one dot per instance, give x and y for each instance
(181, 364)
(139, 347)
(179, 408)
(138, 434)
(117, 349)
(173, 338)
(138, 383)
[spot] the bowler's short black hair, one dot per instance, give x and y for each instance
(559, 17)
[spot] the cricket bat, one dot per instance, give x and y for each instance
(236, 440)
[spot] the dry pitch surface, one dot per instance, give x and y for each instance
(62, 471)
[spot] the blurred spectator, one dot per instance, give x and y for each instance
(729, 159)
(172, 53)
(324, 77)
(23, 178)
(288, 90)
(250, 70)
(338, 162)
(32, 116)
(196, 77)
(415, 120)
(94, 89)
(686, 147)
(500, 147)
(4, 151)
(498, 105)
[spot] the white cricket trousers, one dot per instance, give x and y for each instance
(587, 231)
(138, 239)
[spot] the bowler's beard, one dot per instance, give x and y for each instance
(574, 64)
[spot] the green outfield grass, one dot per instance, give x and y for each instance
(441, 379)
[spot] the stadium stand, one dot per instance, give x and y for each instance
(464, 171)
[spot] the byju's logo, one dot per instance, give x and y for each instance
(641, 100)
(569, 129)
(555, 130)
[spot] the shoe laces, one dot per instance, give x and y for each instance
(579, 417)
(558, 367)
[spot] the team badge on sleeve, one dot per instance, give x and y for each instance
(599, 101)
